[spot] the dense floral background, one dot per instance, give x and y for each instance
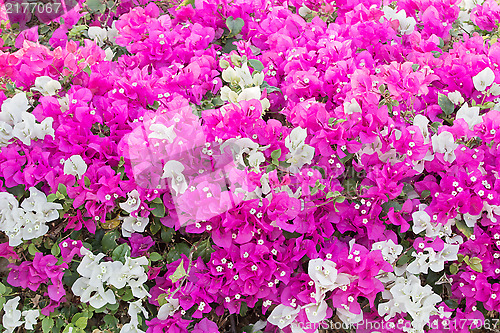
(249, 166)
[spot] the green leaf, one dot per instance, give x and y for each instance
(61, 188)
(432, 277)
(256, 64)
(441, 42)
(452, 304)
(204, 249)
(55, 250)
(96, 5)
(155, 226)
(113, 307)
(332, 194)
(87, 181)
(346, 158)
(155, 256)
(121, 251)
(32, 249)
(74, 329)
(334, 121)
(314, 190)
(321, 170)
(155, 105)
(405, 257)
(217, 101)
(110, 320)
(386, 206)
(276, 154)
(243, 309)
(47, 324)
(475, 264)
(229, 45)
(51, 197)
(167, 234)
(340, 199)
(453, 269)
(158, 209)
(157, 200)
(185, 3)
(162, 299)
(425, 194)
(223, 63)
(109, 240)
(234, 25)
(18, 191)
(487, 105)
(128, 295)
(81, 322)
(269, 88)
(270, 168)
(87, 70)
(435, 125)
(179, 273)
(467, 231)
(415, 67)
(436, 54)
(3, 289)
(403, 260)
(446, 105)
(43, 29)
(175, 253)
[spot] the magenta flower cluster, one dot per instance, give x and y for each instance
(299, 161)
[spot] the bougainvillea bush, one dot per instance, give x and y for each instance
(250, 166)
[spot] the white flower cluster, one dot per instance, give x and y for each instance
(46, 85)
(482, 81)
(173, 169)
(243, 85)
(351, 107)
(75, 165)
(133, 224)
(406, 24)
(16, 122)
(134, 309)
(408, 296)
(325, 278)
(12, 316)
(390, 250)
(95, 275)
(464, 16)
(445, 143)
(133, 202)
(240, 146)
(28, 221)
(100, 36)
(423, 222)
(168, 309)
(429, 258)
(300, 153)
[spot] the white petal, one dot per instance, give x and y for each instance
(483, 79)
